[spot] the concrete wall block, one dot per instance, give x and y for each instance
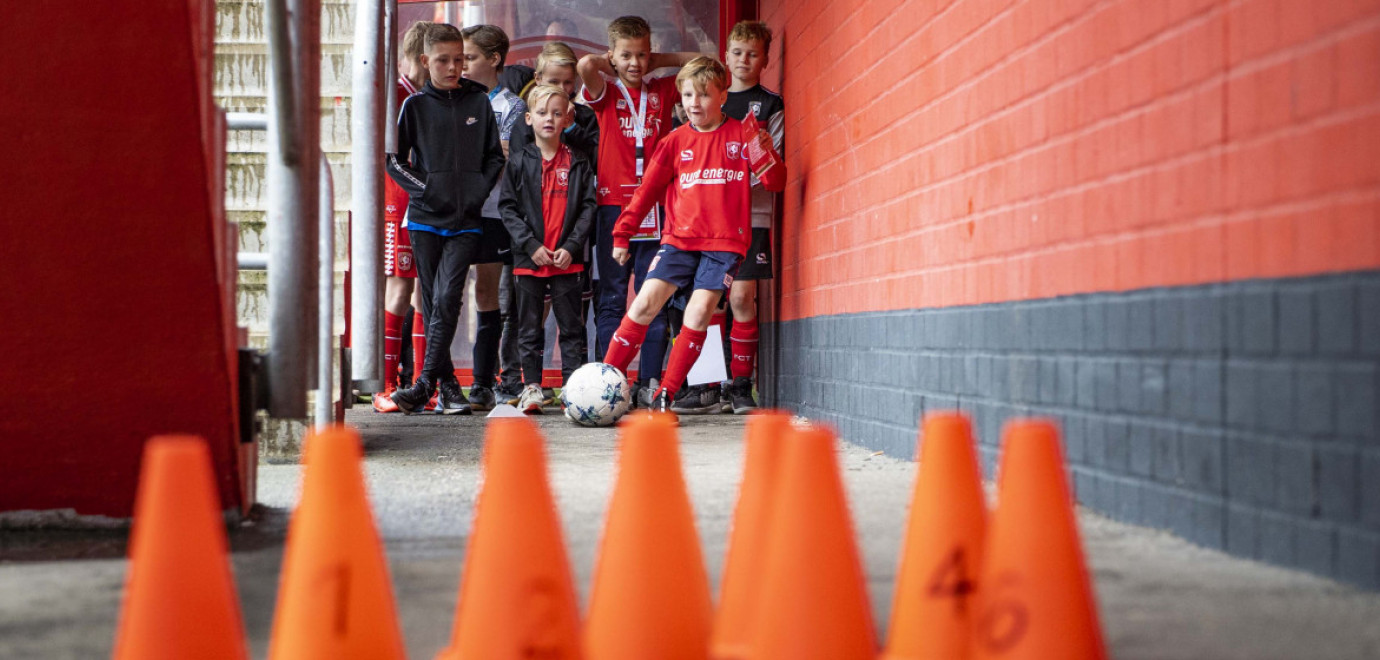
(1105, 384)
(1075, 437)
(1336, 304)
(1153, 386)
(1369, 488)
(1118, 328)
(1368, 318)
(1095, 439)
(1313, 399)
(1251, 322)
(1095, 335)
(1315, 546)
(1203, 460)
(1209, 522)
(1141, 324)
(1243, 530)
(1142, 449)
(1071, 332)
(1164, 455)
(1179, 389)
(1155, 505)
(1118, 451)
(1243, 401)
(1275, 397)
(1205, 322)
(1295, 466)
(1250, 467)
(1170, 329)
(1128, 386)
(1208, 392)
(1180, 520)
(1296, 320)
(1128, 504)
(1085, 387)
(1355, 392)
(1277, 539)
(1358, 558)
(1337, 483)
(1025, 379)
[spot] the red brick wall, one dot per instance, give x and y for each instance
(953, 152)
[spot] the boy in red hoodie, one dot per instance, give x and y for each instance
(702, 170)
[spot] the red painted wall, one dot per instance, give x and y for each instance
(117, 288)
(953, 152)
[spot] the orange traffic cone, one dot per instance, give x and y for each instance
(180, 597)
(1036, 599)
(650, 597)
(931, 609)
(335, 599)
(765, 437)
(813, 601)
(517, 598)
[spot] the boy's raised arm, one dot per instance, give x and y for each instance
(675, 60)
(591, 67)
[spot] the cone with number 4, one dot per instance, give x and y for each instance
(932, 606)
(1036, 600)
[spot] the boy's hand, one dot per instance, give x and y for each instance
(620, 255)
(561, 259)
(542, 256)
(764, 139)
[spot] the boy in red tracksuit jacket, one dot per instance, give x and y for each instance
(702, 170)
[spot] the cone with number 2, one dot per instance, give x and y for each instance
(1036, 599)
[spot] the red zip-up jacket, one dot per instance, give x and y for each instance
(708, 206)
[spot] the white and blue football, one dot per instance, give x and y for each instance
(597, 394)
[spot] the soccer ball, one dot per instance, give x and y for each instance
(597, 394)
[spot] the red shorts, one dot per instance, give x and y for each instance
(397, 251)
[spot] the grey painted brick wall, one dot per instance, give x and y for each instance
(1241, 416)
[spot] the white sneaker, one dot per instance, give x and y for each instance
(531, 400)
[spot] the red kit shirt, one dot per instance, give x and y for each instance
(394, 198)
(618, 133)
(705, 179)
(555, 190)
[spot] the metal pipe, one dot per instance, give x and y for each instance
(246, 121)
(366, 202)
(292, 209)
(281, 71)
(390, 70)
(325, 335)
(451, 14)
(252, 260)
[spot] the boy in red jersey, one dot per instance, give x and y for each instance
(634, 114)
(398, 266)
(702, 171)
(548, 208)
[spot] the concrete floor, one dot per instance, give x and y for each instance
(1160, 597)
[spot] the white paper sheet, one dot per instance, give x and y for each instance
(710, 367)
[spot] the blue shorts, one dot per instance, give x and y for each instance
(710, 271)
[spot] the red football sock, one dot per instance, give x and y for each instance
(418, 345)
(623, 347)
(744, 342)
(688, 346)
(392, 346)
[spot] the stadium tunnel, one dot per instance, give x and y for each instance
(1158, 223)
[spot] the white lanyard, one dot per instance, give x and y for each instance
(639, 117)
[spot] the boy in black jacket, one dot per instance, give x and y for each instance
(448, 159)
(548, 207)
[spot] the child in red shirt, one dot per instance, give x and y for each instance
(547, 204)
(708, 226)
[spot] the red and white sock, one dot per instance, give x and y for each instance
(623, 347)
(418, 344)
(689, 345)
(744, 346)
(392, 346)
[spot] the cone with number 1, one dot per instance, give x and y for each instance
(932, 606)
(335, 600)
(1036, 600)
